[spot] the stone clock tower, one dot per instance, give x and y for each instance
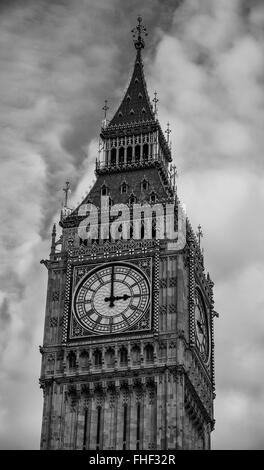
(127, 356)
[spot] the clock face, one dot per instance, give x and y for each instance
(201, 327)
(111, 298)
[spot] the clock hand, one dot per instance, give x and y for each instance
(118, 297)
(112, 297)
(123, 297)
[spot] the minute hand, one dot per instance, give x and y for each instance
(112, 298)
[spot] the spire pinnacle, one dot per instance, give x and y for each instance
(135, 106)
(137, 32)
(67, 191)
(199, 234)
(168, 131)
(155, 101)
(105, 109)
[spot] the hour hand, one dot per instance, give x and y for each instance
(123, 297)
(117, 297)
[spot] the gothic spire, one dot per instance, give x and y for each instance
(135, 106)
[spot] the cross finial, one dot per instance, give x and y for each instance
(199, 234)
(168, 131)
(155, 101)
(67, 192)
(137, 32)
(105, 109)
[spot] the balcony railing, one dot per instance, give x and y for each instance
(134, 163)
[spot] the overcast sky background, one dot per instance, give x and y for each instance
(59, 61)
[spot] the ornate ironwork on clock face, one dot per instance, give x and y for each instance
(111, 298)
(201, 327)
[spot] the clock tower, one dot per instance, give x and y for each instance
(127, 355)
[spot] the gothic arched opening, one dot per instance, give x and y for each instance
(110, 357)
(121, 156)
(113, 157)
(149, 353)
(97, 355)
(135, 354)
(72, 360)
(129, 154)
(145, 151)
(137, 153)
(123, 356)
(84, 359)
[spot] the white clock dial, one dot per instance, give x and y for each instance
(112, 298)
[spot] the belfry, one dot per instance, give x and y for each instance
(128, 349)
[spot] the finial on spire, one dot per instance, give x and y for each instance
(155, 101)
(168, 131)
(137, 32)
(105, 109)
(67, 191)
(199, 234)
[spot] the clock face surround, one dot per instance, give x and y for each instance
(201, 327)
(111, 298)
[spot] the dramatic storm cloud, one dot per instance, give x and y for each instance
(59, 61)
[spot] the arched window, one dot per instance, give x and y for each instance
(145, 151)
(121, 156)
(142, 230)
(137, 153)
(104, 190)
(125, 427)
(138, 427)
(149, 353)
(132, 199)
(110, 357)
(123, 187)
(129, 154)
(152, 197)
(72, 360)
(123, 356)
(135, 354)
(113, 157)
(98, 432)
(144, 185)
(97, 357)
(84, 359)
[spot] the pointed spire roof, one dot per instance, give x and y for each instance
(135, 106)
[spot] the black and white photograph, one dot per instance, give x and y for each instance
(131, 243)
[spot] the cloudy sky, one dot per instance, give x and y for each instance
(59, 61)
